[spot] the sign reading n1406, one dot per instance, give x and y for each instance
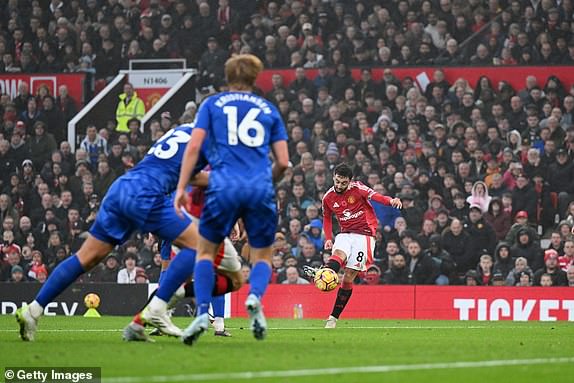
(154, 80)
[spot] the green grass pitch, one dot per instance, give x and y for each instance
(302, 351)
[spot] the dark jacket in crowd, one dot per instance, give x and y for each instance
(502, 265)
(561, 177)
(558, 277)
(482, 237)
(458, 246)
(529, 250)
(524, 199)
(425, 270)
(441, 257)
(500, 224)
(396, 276)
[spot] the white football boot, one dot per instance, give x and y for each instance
(28, 324)
(331, 322)
(161, 321)
(192, 333)
(258, 321)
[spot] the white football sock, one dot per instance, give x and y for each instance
(35, 310)
(218, 324)
(158, 305)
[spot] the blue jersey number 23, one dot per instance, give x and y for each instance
(172, 139)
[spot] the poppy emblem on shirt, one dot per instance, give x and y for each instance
(351, 199)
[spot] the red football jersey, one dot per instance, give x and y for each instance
(352, 208)
(196, 200)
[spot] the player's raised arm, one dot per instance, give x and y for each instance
(190, 158)
(378, 197)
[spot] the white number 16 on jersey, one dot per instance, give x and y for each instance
(236, 133)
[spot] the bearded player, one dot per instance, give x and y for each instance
(354, 245)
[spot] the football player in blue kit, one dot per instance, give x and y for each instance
(240, 129)
(138, 200)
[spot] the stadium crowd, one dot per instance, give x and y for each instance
(484, 170)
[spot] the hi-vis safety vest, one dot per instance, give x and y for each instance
(135, 108)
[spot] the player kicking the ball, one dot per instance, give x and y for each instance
(354, 245)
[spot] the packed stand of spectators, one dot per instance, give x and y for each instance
(484, 170)
(483, 181)
(49, 196)
(101, 36)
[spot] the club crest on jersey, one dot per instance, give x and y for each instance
(351, 200)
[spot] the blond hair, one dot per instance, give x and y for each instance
(241, 71)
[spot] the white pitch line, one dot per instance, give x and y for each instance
(334, 371)
(472, 327)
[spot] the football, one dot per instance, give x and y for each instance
(92, 301)
(326, 279)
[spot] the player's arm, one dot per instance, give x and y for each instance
(378, 197)
(281, 154)
(279, 146)
(190, 158)
(201, 179)
(327, 225)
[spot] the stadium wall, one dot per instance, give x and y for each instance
(374, 302)
(420, 302)
(515, 75)
(115, 299)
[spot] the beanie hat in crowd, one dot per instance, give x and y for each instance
(332, 149)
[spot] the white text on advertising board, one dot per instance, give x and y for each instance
(515, 309)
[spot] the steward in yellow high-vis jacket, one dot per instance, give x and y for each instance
(130, 106)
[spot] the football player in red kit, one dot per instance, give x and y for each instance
(354, 245)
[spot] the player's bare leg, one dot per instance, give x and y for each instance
(90, 254)
(204, 280)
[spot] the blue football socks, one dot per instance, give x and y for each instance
(180, 268)
(259, 278)
(203, 285)
(63, 276)
(218, 305)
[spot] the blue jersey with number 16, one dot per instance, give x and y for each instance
(240, 128)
